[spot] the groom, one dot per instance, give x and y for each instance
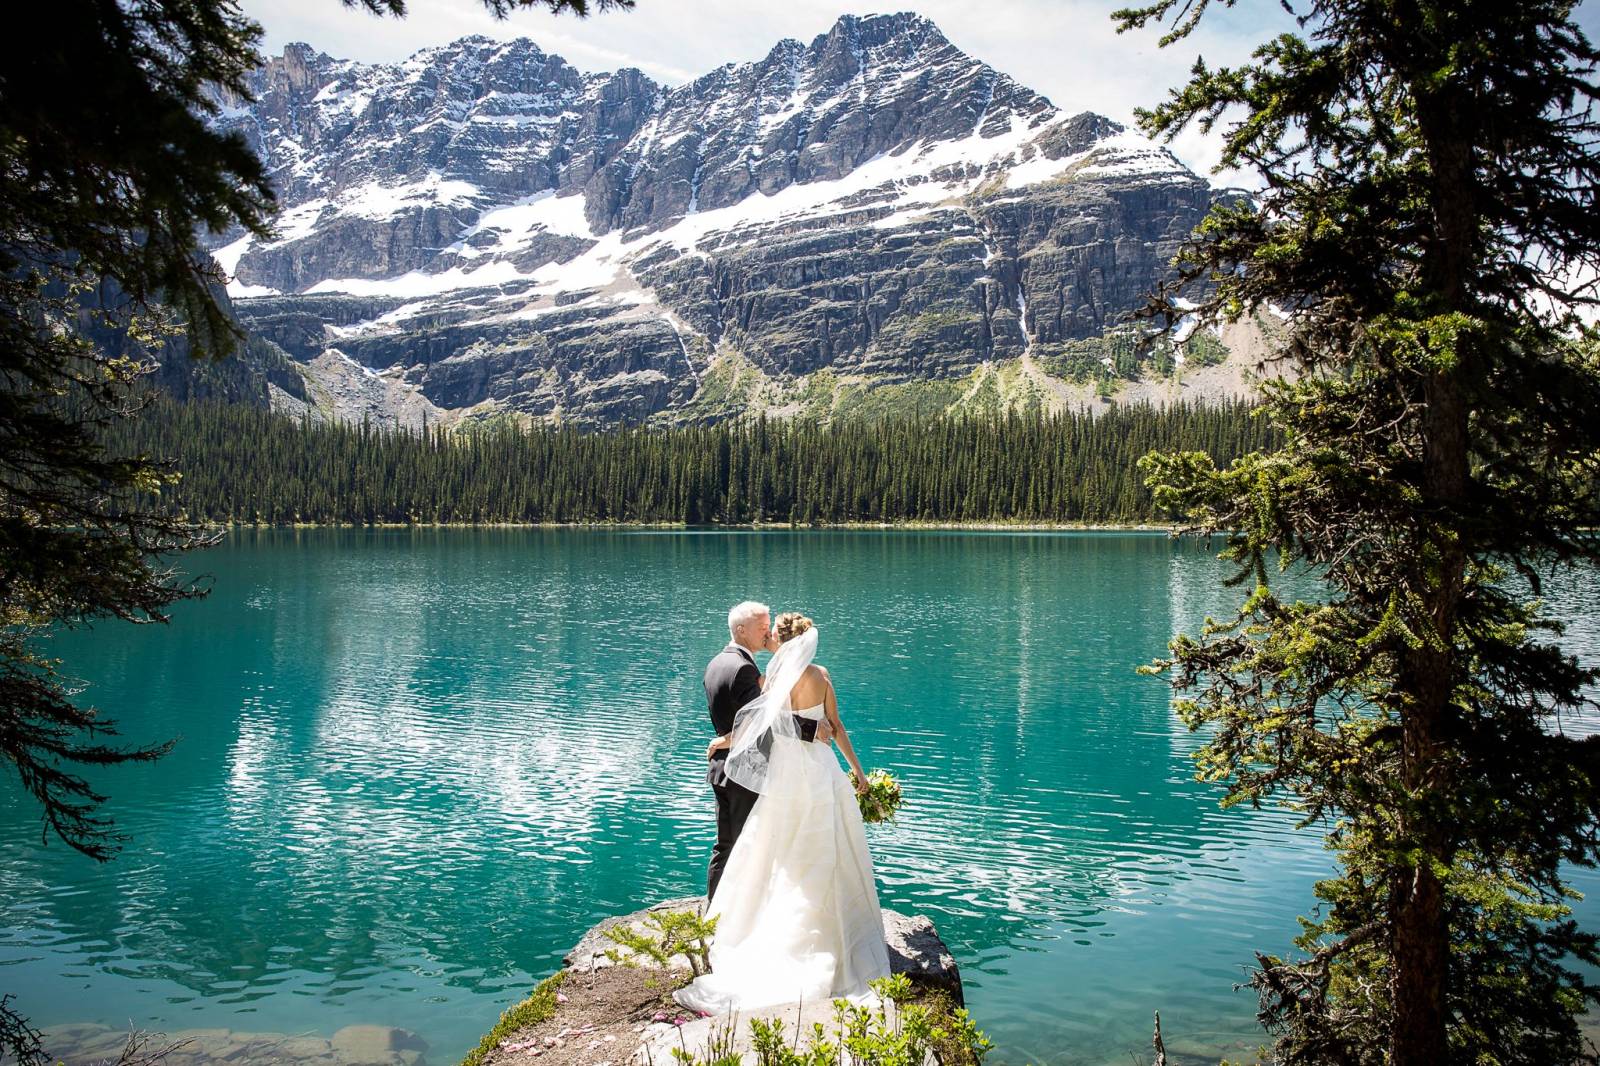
(732, 680)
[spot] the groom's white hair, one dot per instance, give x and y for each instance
(744, 612)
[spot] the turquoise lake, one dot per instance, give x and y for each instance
(415, 765)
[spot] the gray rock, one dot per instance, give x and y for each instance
(107, 1044)
(70, 1031)
(376, 1045)
(304, 1048)
(916, 951)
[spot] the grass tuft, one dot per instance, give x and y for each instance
(531, 1011)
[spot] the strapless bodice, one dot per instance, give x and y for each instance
(811, 712)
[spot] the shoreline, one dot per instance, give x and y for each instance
(749, 527)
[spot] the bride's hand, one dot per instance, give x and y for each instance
(716, 746)
(861, 781)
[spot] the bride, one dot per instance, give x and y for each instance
(797, 910)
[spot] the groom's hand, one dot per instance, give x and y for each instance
(824, 732)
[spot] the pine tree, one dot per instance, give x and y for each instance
(1429, 198)
(106, 180)
(108, 175)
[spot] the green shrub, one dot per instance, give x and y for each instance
(865, 1036)
(684, 933)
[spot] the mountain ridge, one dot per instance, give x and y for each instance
(484, 229)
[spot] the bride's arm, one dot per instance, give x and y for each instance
(831, 707)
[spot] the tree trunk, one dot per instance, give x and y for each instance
(1419, 938)
(1420, 952)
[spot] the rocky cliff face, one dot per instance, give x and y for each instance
(484, 229)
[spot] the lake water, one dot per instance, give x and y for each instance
(415, 766)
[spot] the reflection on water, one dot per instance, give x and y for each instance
(416, 765)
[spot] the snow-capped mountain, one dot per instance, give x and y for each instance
(484, 228)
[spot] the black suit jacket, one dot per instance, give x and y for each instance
(732, 680)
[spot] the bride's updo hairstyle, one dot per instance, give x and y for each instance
(790, 625)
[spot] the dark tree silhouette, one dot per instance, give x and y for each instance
(1429, 222)
(109, 175)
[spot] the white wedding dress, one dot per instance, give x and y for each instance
(797, 909)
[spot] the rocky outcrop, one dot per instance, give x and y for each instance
(501, 233)
(914, 946)
(605, 1013)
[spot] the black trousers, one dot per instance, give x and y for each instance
(733, 807)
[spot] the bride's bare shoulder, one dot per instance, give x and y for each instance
(813, 682)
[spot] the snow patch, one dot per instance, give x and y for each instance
(376, 201)
(229, 112)
(521, 221)
(597, 268)
(896, 180)
(228, 255)
(1125, 154)
(1129, 154)
(418, 283)
(346, 101)
(300, 222)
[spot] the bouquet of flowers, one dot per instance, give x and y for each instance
(881, 800)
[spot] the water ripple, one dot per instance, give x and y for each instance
(415, 766)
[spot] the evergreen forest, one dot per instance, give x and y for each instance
(245, 465)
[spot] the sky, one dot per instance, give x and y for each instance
(1067, 50)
